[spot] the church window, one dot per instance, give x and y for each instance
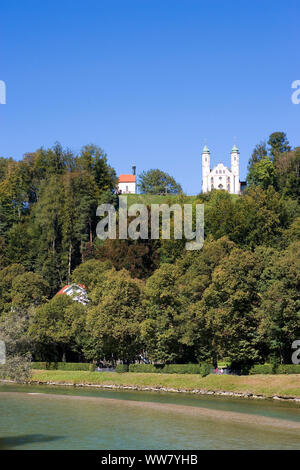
(228, 187)
(220, 177)
(216, 172)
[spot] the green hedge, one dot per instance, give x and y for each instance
(202, 369)
(146, 368)
(269, 369)
(182, 369)
(261, 369)
(63, 366)
(288, 369)
(122, 368)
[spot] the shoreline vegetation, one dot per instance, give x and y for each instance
(285, 387)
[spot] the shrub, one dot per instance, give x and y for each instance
(202, 369)
(280, 369)
(63, 366)
(274, 361)
(148, 368)
(182, 369)
(261, 369)
(16, 368)
(288, 369)
(205, 369)
(122, 368)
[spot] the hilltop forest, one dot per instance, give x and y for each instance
(236, 299)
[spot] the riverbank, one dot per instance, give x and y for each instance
(285, 387)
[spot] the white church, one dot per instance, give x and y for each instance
(221, 177)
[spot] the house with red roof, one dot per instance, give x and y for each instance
(76, 291)
(127, 183)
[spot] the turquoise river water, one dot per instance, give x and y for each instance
(48, 417)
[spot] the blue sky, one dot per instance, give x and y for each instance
(149, 80)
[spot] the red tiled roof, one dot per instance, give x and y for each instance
(127, 178)
(62, 291)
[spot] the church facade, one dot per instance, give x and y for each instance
(220, 177)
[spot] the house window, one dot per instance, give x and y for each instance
(126, 189)
(228, 187)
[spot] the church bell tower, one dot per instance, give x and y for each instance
(235, 169)
(205, 169)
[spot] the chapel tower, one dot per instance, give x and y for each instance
(235, 164)
(205, 169)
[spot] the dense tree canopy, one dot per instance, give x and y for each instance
(237, 298)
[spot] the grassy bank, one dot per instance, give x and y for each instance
(266, 385)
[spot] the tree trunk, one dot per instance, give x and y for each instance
(91, 234)
(70, 262)
(64, 359)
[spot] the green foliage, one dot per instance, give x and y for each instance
(144, 368)
(91, 273)
(158, 182)
(182, 369)
(237, 298)
(287, 167)
(262, 173)
(228, 308)
(16, 368)
(288, 369)
(278, 143)
(63, 366)
(58, 324)
(280, 369)
(205, 369)
(260, 151)
(121, 368)
(113, 323)
(139, 257)
(202, 369)
(280, 302)
(261, 369)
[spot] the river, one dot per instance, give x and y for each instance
(48, 417)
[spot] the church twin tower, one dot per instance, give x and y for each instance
(221, 177)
